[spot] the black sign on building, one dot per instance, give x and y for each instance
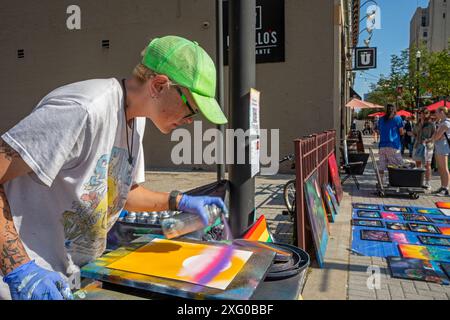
(365, 58)
(269, 31)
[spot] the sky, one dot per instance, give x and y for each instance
(392, 38)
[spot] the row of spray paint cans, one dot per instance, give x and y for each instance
(174, 223)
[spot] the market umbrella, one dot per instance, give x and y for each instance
(359, 104)
(435, 106)
(376, 114)
(404, 113)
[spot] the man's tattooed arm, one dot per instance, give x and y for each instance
(7, 152)
(12, 251)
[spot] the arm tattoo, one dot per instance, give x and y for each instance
(12, 251)
(8, 152)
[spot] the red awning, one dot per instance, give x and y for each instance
(376, 114)
(435, 106)
(404, 113)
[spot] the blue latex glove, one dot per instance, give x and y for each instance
(197, 205)
(31, 282)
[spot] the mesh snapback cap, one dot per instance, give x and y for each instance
(187, 64)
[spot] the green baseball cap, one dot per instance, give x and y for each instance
(187, 64)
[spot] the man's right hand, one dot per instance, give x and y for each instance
(31, 282)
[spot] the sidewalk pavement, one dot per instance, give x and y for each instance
(344, 275)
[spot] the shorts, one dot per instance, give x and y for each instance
(389, 156)
(441, 148)
(428, 156)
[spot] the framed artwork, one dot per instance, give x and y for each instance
(368, 223)
(420, 227)
(443, 205)
(446, 268)
(366, 206)
(368, 214)
(317, 216)
(424, 252)
(416, 269)
(396, 209)
(333, 198)
(398, 237)
(397, 226)
(434, 241)
(375, 235)
(445, 230)
(389, 216)
(428, 211)
(415, 217)
(441, 220)
(445, 212)
(331, 212)
(335, 179)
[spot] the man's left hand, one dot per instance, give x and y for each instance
(197, 205)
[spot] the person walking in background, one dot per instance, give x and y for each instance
(391, 129)
(375, 129)
(442, 149)
(422, 151)
(407, 137)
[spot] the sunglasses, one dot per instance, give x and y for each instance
(186, 102)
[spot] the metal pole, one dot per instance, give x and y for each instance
(220, 86)
(242, 24)
(417, 84)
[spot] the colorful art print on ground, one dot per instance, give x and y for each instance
(425, 228)
(443, 205)
(434, 211)
(317, 216)
(424, 252)
(445, 230)
(368, 214)
(415, 269)
(446, 268)
(441, 220)
(397, 226)
(366, 206)
(328, 204)
(434, 241)
(398, 237)
(375, 235)
(335, 179)
(396, 209)
(389, 216)
(445, 212)
(367, 223)
(333, 198)
(415, 217)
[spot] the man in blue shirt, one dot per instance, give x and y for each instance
(390, 127)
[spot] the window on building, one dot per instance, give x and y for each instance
(425, 34)
(424, 21)
(443, 15)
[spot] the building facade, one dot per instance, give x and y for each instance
(430, 26)
(301, 95)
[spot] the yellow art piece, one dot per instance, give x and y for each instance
(414, 252)
(182, 261)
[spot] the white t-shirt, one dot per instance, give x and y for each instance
(446, 124)
(75, 143)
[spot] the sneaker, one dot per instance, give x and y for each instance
(441, 192)
(427, 185)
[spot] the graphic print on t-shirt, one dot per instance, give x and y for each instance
(87, 224)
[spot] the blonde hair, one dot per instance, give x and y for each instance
(444, 110)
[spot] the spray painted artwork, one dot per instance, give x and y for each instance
(184, 261)
(434, 241)
(368, 214)
(331, 212)
(335, 179)
(389, 216)
(424, 252)
(374, 235)
(317, 216)
(416, 269)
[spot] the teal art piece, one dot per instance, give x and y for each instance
(331, 211)
(317, 216)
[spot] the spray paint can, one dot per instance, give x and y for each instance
(130, 217)
(184, 223)
(142, 217)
